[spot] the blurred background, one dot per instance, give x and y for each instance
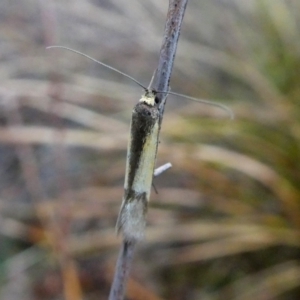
(225, 222)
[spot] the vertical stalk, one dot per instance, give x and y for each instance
(160, 82)
(122, 271)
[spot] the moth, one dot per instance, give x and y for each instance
(141, 156)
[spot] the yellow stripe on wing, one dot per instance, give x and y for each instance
(144, 174)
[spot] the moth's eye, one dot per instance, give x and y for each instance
(156, 100)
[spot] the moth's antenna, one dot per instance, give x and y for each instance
(100, 63)
(151, 81)
(222, 106)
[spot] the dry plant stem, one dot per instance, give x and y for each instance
(122, 270)
(163, 72)
(160, 82)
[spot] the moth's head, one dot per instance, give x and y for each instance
(149, 98)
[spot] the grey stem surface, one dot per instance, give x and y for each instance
(122, 270)
(160, 82)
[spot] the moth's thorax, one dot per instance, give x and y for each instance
(145, 113)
